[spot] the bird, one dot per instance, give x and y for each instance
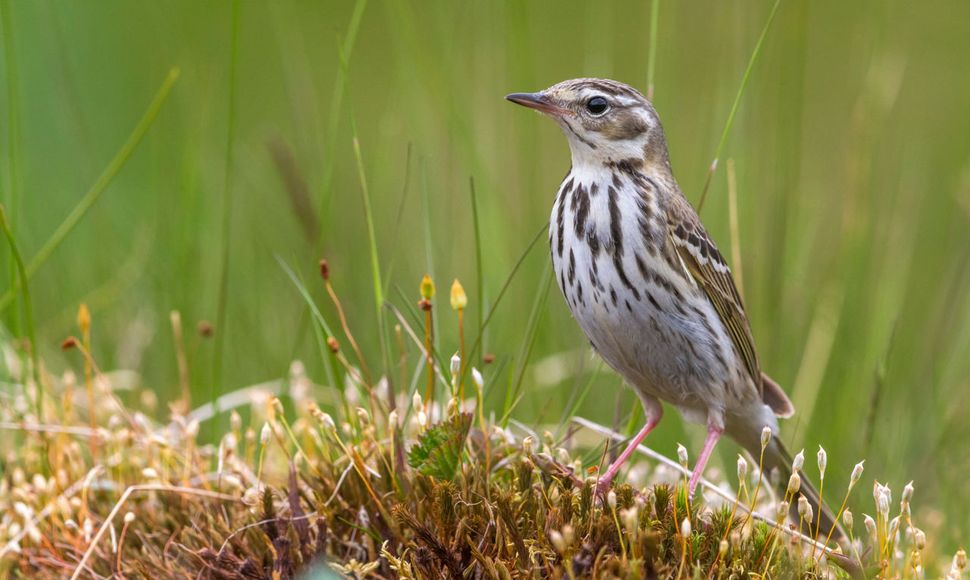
(648, 286)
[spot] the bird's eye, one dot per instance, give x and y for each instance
(597, 106)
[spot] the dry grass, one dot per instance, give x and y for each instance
(393, 486)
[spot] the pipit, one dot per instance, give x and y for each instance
(647, 284)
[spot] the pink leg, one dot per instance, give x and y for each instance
(603, 485)
(713, 434)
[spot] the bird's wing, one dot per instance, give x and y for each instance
(708, 268)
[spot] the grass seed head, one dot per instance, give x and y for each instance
(805, 509)
(794, 484)
(856, 474)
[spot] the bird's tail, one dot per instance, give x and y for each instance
(778, 459)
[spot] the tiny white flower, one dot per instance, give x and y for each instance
(477, 378)
(685, 528)
(455, 364)
(823, 461)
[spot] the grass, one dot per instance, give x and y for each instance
(389, 486)
(847, 204)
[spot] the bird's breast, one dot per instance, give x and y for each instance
(637, 304)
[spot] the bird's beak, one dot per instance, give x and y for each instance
(538, 101)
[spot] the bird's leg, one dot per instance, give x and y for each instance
(713, 434)
(603, 485)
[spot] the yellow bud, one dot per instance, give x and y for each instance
(427, 288)
(84, 318)
(458, 299)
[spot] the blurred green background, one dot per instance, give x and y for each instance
(852, 154)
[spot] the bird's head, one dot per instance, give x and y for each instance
(605, 121)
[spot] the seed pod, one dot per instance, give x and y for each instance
(765, 436)
(427, 288)
(798, 462)
(742, 469)
(847, 519)
(458, 298)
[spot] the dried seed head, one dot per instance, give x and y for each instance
(333, 344)
(742, 469)
(798, 462)
(823, 461)
(870, 524)
(265, 434)
(458, 298)
(455, 364)
(611, 500)
(685, 528)
(856, 474)
(392, 419)
(722, 549)
(805, 509)
(682, 455)
(324, 270)
(477, 378)
(847, 519)
(416, 401)
(69, 343)
(765, 436)
(794, 484)
(427, 288)
(129, 517)
(363, 415)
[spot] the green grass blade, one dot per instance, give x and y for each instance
(13, 132)
(28, 311)
(105, 179)
(505, 286)
(479, 277)
(514, 395)
(340, 87)
(737, 101)
(223, 300)
(321, 322)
